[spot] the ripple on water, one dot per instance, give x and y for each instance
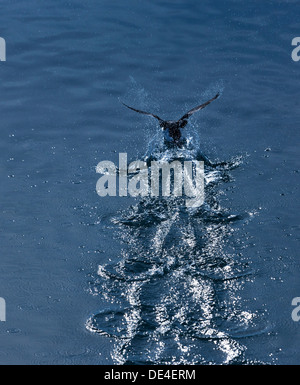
(174, 294)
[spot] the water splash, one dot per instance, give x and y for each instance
(174, 295)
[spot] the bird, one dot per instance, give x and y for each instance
(173, 127)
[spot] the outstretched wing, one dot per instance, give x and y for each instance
(143, 112)
(191, 112)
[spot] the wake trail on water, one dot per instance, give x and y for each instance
(173, 295)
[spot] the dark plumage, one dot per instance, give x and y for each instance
(174, 126)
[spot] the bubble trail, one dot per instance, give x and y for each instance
(174, 296)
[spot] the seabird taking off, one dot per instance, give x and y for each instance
(173, 127)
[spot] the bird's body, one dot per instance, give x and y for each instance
(172, 128)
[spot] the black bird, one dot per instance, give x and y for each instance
(173, 127)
